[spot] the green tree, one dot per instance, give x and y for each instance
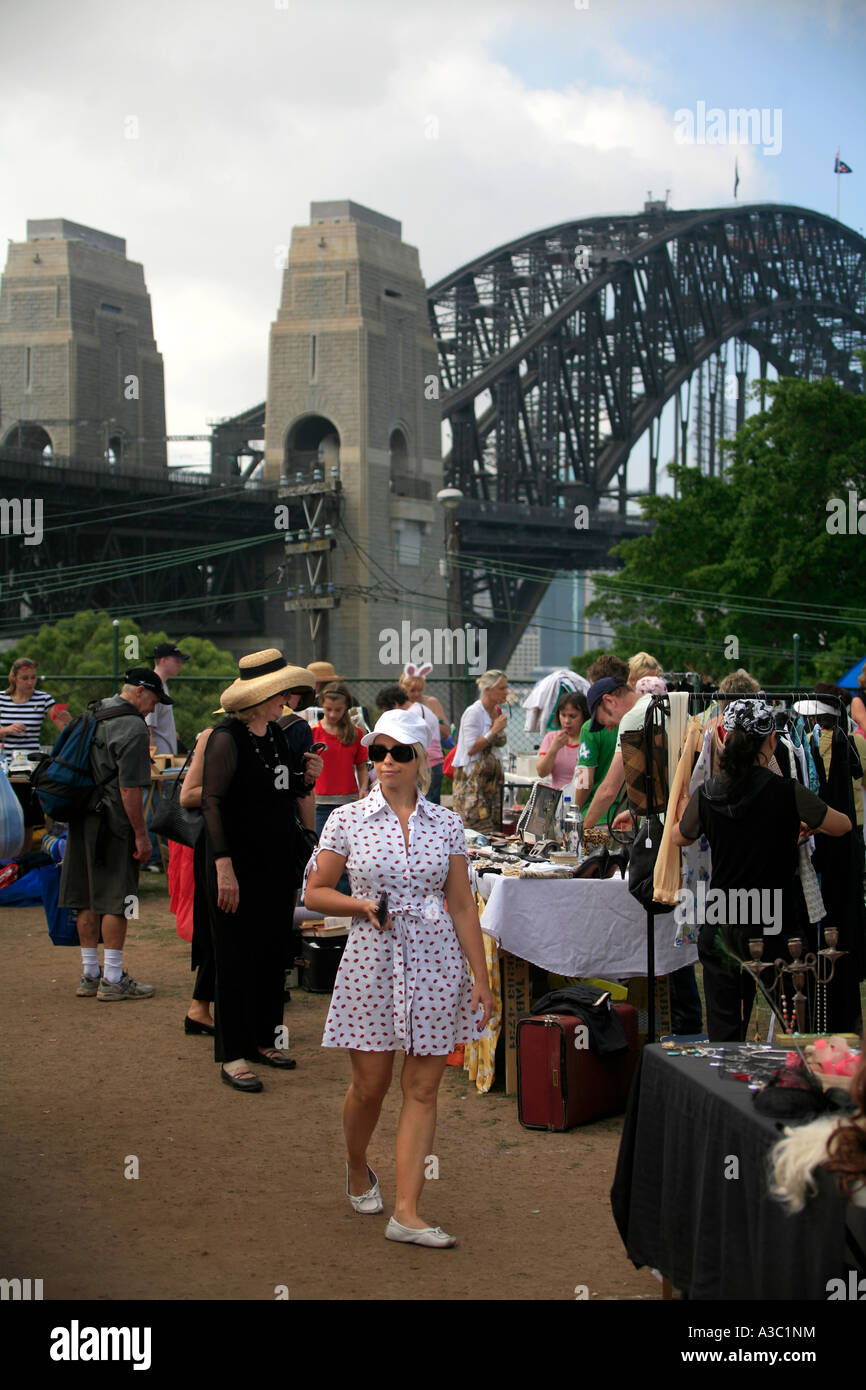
(737, 564)
(84, 646)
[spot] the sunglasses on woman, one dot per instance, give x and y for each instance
(401, 752)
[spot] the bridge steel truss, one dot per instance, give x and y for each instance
(122, 541)
(559, 350)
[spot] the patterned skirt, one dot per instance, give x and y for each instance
(478, 793)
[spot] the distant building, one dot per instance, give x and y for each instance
(80, 374)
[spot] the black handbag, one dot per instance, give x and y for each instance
(642, 864)
(173, 821)
(644, 851)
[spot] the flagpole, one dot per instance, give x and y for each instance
(838, 181)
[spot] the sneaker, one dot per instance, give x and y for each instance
(88, 985)
(126, 988)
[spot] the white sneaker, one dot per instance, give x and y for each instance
(427, 1235)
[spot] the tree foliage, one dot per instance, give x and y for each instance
(84, 646)
(737, 564)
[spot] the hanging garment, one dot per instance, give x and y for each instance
(667, 879)
(697, 861)
(815, 909)
(542, 698)
(839, 861)
(676, 728)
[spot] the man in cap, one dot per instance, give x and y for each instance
(108, 843)
(609, 699)
(167, 661)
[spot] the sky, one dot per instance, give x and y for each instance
(201, 131)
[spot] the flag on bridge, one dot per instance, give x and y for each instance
(840, 167)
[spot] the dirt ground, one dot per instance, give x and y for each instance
(238, 1194)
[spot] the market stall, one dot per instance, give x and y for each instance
(691, 1198)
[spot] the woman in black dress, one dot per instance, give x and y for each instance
(752, 819)
(254, 860)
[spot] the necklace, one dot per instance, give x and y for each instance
(271, 767)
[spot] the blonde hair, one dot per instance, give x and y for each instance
(488, 679)
(19, 665)
(407, 680)
(739, 682)
(642, 664)
(423, 767)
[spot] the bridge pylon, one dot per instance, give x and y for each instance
(352, 434)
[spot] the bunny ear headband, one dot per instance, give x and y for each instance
(410, 669)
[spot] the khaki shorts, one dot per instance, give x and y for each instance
(98, 877)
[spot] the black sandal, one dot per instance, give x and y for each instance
(251, 1083)
(278, 1060)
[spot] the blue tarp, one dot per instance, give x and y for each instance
(24, 892)
(41, 888)
(849, 680)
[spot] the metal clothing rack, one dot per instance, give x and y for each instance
(700, 700)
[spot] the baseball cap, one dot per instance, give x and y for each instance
(142, 675)
(402, 725)
(169, 649)
(594, 696)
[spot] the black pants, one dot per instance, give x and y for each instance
(250, 978)
(729, 992)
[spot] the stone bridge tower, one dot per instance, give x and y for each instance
(353, 432)
(80, 374)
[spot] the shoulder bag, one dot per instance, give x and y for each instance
(173, 821)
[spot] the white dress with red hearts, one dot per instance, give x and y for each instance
(407, 988)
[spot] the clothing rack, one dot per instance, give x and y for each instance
(700, 701)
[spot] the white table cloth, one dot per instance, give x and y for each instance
(578, 926)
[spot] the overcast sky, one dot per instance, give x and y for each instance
(471, 121)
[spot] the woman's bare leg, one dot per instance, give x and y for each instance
(420, 1083)
(371, 1077)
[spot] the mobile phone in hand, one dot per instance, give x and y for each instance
(318, 748)
(382, 910)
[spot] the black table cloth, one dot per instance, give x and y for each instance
(716, 1237)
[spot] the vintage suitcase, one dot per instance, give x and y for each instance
(561, 1082)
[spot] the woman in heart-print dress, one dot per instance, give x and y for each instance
(402, 985)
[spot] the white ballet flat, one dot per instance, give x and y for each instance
(427, 1235)
(370, 1202)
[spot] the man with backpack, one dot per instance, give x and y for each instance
(108, 838)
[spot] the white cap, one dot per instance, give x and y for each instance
(401, 725)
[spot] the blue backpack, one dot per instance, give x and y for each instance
(65, 783)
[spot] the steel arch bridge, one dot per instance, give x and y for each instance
(560, 350)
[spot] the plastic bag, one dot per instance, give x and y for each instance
(11, 820)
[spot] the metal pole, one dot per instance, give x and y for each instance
(796, 659)
(115, 655)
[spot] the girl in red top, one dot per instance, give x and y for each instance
(345, 758)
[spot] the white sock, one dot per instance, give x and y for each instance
(112, 967)
(89, 962)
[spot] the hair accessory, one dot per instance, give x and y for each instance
(412, 672)
(752, 716)
(651, 685)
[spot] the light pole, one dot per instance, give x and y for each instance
(449, 498)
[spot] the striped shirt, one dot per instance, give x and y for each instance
(30, 712)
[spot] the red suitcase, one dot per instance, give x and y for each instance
(561, 1082)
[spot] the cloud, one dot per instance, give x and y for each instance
(247, 113)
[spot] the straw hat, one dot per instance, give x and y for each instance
(323, 671)
(262, 675)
